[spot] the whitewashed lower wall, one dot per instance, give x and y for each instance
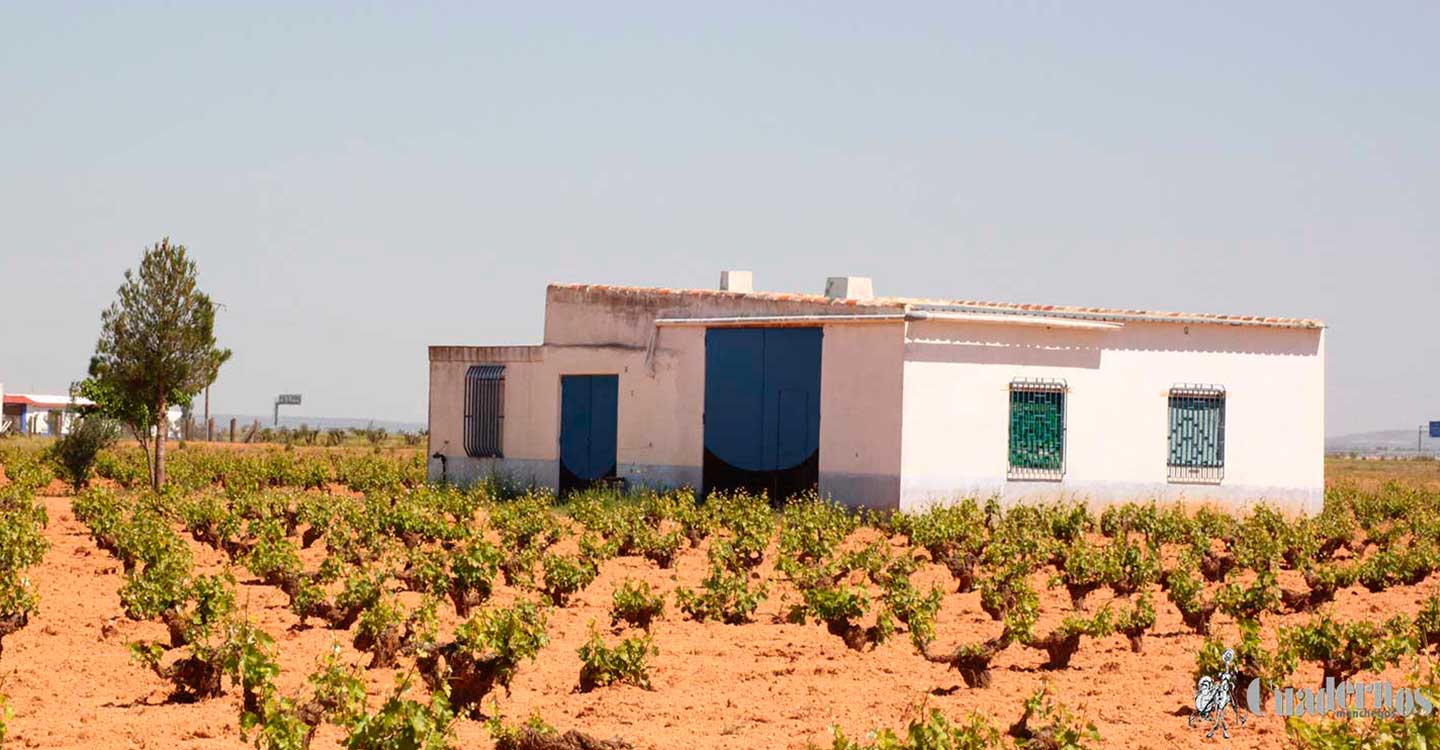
(956, 410)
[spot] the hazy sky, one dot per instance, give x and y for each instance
(357, 184)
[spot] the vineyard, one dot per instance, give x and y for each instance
(331, 598)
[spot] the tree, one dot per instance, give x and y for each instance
(156, 348)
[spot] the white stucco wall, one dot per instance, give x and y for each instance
(956, 409)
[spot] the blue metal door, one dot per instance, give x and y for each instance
(589, 407)
(762, 410)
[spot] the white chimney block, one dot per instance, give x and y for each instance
(737, 281)
(849, 287)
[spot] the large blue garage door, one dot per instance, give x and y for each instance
(588, 406)
(762, 410)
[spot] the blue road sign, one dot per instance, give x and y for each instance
(1435, 429)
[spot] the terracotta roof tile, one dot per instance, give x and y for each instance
(904, 302)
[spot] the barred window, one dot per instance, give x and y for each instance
(1197, 433)
(1037, 429)
(484, 410)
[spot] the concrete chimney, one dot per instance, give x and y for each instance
(737, 281)
(849, 287)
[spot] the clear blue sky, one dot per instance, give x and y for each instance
(357, 184)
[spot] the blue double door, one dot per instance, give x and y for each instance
(762, 410)
(589, 407)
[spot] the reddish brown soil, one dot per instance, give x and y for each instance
(764, 685)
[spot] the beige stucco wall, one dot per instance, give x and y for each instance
(861, 384)
(662, 395)
(956, 409)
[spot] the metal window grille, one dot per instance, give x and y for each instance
(484, 410)
(1037, 429)
(1197, 434)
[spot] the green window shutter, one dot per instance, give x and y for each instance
(1197, 433)
(1037, 429)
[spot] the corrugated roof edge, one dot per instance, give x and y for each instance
(999, 308)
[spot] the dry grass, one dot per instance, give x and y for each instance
(1371, 473)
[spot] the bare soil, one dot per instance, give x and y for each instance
(763, 685)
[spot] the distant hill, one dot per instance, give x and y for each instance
(1384, 441)
(321, 423)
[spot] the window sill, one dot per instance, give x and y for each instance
(1034, 475)
(1196, 475)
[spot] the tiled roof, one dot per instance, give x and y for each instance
(900, 303)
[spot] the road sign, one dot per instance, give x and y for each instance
(285, 399)
(1435, 429)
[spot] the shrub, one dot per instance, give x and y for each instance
(77, 450)
(724, 595)
(635, 604)
(1252, 660)
(426, 571)
(248, 657)
(1082, 570)
(907, 605)
(1047, 725)
(1345, 649)
(1129, 567)
(486, 652)
(1062, 642)
(473, 567)
(534, 733)
(518, 567)
(627, 662)
(811, 528)
(838, 607)
(1427, 624)
(525, 522)
(378, 632)
(954, 536)
(22, 544)
(1184, 588)
(402, 722)
(1004, 588)
(564, 576)
(971, 660)
(1132, 623)
(1249, 602)
(934, 732)
(362, 589)
(659, 548)
(750, 523)
(274, 558)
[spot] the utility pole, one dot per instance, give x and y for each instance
(209, 426)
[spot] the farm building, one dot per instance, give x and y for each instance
(39, 413)
(887, 402)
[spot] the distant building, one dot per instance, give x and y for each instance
(885, 401)
(39, 413)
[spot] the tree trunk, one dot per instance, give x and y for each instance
(143, 438)
(161, 425)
